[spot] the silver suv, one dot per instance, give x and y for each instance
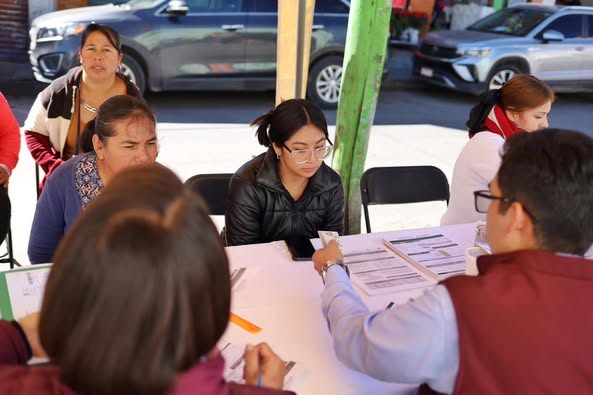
(553, 43)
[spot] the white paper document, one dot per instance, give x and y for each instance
(434, 254)
(25, 290)
(379, 271)
(234, 364)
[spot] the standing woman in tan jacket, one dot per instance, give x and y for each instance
(62, 110)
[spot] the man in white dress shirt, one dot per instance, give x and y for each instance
(523, 324)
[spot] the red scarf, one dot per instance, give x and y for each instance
(497, 122)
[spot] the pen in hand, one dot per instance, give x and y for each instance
(263, 367)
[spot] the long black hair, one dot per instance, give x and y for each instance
(279, 124)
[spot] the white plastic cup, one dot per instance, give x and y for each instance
(471, 258)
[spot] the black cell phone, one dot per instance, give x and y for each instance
(300, 248)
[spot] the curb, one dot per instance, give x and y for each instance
(17, 78)
(28, 88)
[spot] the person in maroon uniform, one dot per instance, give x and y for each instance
(524, 324)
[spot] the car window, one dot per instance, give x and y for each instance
(571, 26)
(215, 5)
(590, 20)
(264, 6)
(511, 21)
(331, 7)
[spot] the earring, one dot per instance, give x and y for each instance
(277, 156)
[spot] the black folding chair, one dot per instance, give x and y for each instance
(5, 208)
(402, 184)
(212, 188)
(8, 257)
(37, 180)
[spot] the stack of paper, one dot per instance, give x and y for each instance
(379, 271)
(433, 254)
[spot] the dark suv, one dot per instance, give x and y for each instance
(196, 44)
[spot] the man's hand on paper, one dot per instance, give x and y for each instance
(330, 253)
(30, 325)
(263, 367)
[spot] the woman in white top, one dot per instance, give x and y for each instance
(521, 105)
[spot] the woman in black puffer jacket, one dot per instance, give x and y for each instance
(287, 191)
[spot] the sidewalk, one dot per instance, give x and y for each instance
(190, 149)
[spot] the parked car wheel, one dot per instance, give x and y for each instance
(501, 75)
(131, 69)
(325, 77)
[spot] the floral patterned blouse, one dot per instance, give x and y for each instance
(87, 180)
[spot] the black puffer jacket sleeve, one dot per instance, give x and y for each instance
(335, 218)
(242, 224)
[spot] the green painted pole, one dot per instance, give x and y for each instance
(364, 59)
(498, 5)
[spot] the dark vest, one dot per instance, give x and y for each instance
(525, 325)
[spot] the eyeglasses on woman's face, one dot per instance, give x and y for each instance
(300, 156)
(483, 199)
